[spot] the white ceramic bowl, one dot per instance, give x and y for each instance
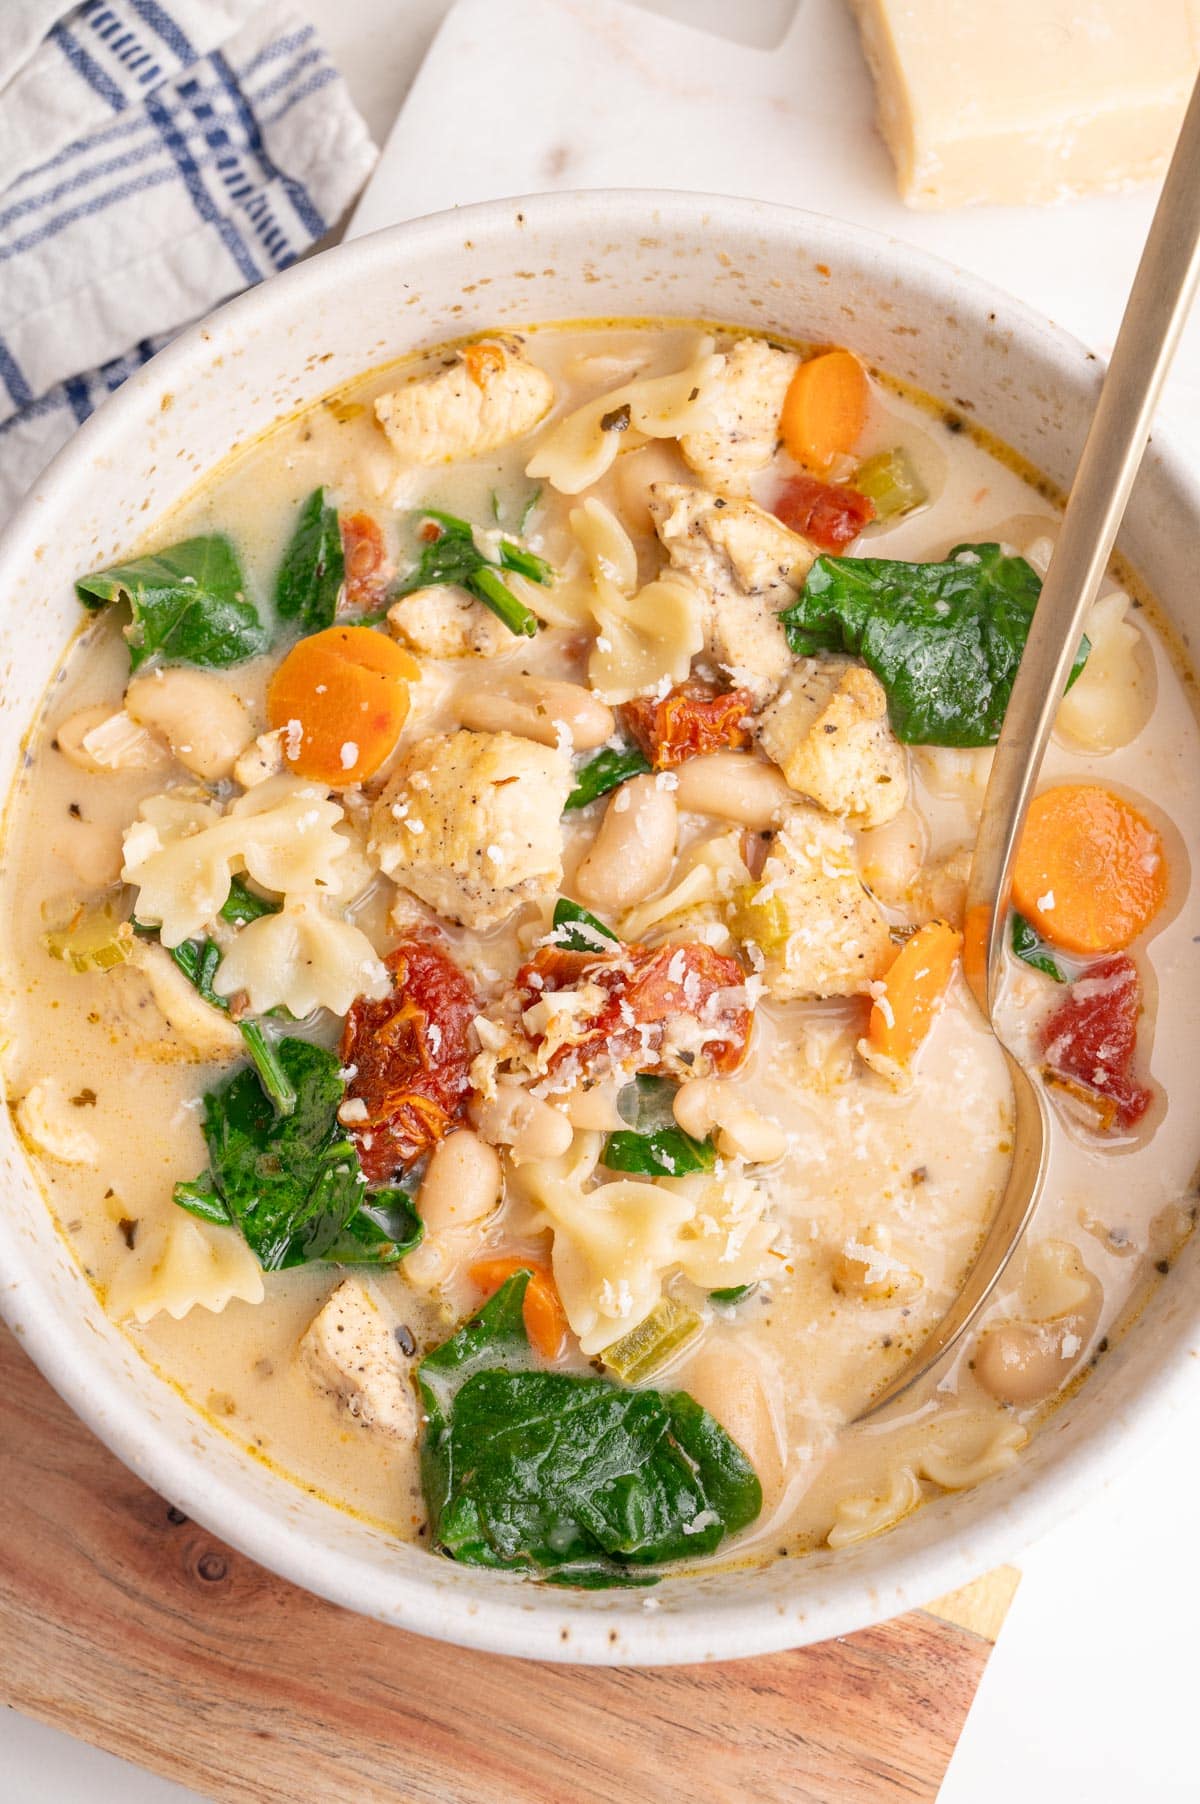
(510, 263)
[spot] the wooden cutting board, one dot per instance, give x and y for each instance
(126, 1624)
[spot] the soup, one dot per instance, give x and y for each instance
(484, 978)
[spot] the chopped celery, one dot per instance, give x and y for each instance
(891, 482)
(762, 919)
(95, 939)
(667, 1330)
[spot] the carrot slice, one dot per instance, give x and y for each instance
(914, 986)
(545, 1319)
(825, 409)
(1090, 872)
(341, 698)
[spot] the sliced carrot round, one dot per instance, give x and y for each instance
(825, 409)
(543, 1314)
(1090, 872)
(341, 699)
(912, 990)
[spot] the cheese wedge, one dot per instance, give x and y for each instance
(1028, 100)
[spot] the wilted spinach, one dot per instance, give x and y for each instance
(453, 557)
(577, 1478)
(314, 567)
(1029, 945)
(944, 639)
(188, 602)
(654, 1145)
(293, 1185)
(575, 930)
(604, 772)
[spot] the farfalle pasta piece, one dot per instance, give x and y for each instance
(645, 639)
(181, 1264)
(616, 1243)
(577, 451)
(182, 854)
(955, 1449)
(301, 959)
(45, 1121)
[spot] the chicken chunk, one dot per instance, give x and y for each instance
(746, 400)
(471, 824)
(489, 396)
(828, 732)
(447, 623)
(819, 931)
(349, 1352)
(749, 567)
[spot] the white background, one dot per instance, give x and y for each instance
(1090, 1693)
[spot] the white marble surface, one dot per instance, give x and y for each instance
(1089, 1694)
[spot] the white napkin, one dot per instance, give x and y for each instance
(159, 156)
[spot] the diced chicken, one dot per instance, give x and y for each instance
(350, 1353)
(448, 623)
(261, 759)
(819, 931)
(748, 565)
(472, 824)
(828, 732)
(489, 396)
(746, 399)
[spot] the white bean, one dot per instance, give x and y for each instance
(742, 1132)
(544, 711)
(890, 857)
(201, 720)
(726, 1380)
(632, 854)
(1022, 1362)
(868, 1271)
(734, 786)
(462, 1183)
(102, 738)
(529, 1127)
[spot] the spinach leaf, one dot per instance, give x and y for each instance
(293, 1184)
(188, 602)
(244, 904)
(944, 639)
(736, 1293)
(577, 1478)
(453, 557)
(313, 568)
(1029, 945)
(575, 930)
(655, 1146)
(604, 772)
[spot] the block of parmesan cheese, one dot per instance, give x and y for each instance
(1018, 101)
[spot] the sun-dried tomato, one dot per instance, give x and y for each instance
(1090, 1042)
(367, 571)
(410, 1055)
(676, 1008)
(693, 718)
(828, 514)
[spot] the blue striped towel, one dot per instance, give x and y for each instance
(159, 155)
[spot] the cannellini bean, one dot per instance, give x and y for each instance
(431, 1262)
(632, 854)
(703, 1104)
(102, 738)
(462, 1183)
(1022, 1362)
(728, 1382)
(867, 1270)
(544, 711)
(201, 720)
(204, 1031)
(527, 1126)
(734, 786)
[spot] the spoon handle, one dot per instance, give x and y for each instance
(1158, 305)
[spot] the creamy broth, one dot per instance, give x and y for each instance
(872, 1210)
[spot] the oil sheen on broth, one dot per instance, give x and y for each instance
(854, 1230)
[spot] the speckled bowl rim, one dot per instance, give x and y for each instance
(953, 1539)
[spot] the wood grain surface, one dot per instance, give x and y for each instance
(129, 1626)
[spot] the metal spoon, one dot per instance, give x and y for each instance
(1158, 305)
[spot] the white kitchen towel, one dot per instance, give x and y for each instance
(207, 161)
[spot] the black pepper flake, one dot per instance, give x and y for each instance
(406, 1340)
(176, 1517)
(86, 1099)
(127, 1227)
(619, 420)
(1162, 1266)
(918, 1174)
(1102, 1345)
(75, 811)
